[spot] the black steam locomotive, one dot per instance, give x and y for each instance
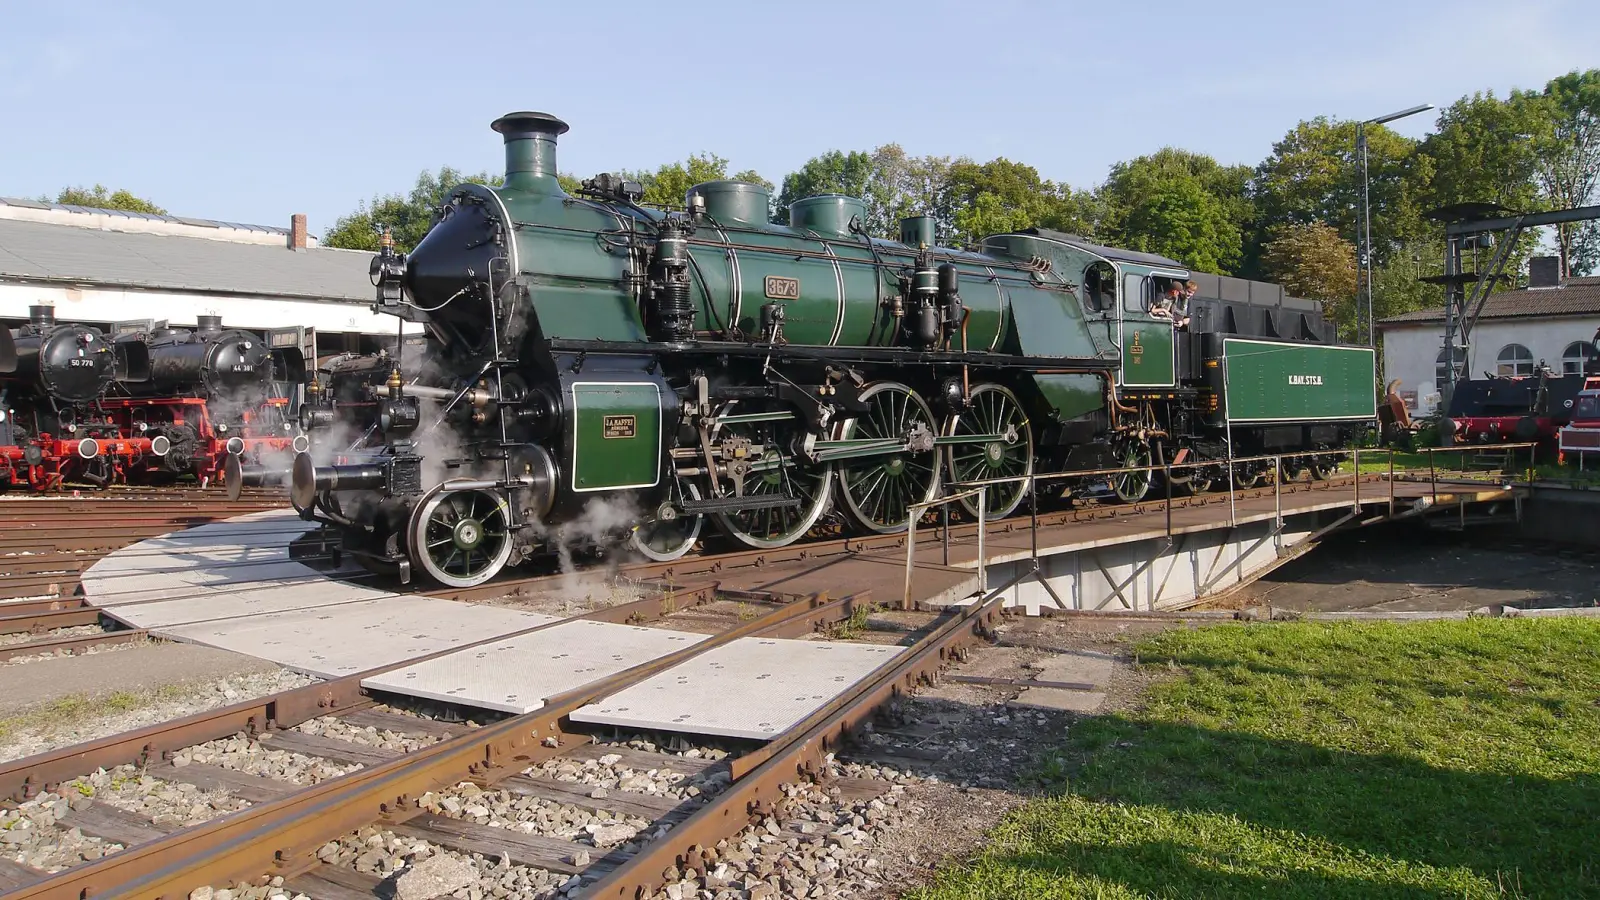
(55, 427)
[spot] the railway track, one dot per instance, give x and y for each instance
(54, 575)
(286, 832)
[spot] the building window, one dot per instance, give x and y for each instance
(1443, 375)
(1577, 357)
(1514, 360)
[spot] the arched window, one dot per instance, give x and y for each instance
(1443, 374)
(1577, 357)
(1514, 360)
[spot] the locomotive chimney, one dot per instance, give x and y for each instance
(42, 315)
(531, 151)
(208, 324)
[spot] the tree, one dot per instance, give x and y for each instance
(1134, 187)
(892, 184)
(668, 184)
(1568, 152)
(980, 199)
(98, 197)
(1313, 175)
(1483, 151)
(1314, 262)
(408, 217)
(1178, 218)
(834, 172)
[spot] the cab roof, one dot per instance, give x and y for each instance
(1115, 254)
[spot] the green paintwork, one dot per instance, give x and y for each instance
(1047, 323)
(1270, 381)
(1147, 359)
(1071, 396)
(574, 284)
(620, 461)
(827, 215)
(917, 231)
(734, 204)
(578, 284)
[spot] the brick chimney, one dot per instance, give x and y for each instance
(1544, 271)
(297, 231)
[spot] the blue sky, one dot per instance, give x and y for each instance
(253, 111)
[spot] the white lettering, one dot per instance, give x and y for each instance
(1305, 379)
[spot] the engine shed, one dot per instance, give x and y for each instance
(99, 267)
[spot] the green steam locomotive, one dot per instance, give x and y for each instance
(596, 367)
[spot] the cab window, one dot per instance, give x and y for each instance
(1100, 287)
(1136, 293)
(1588, 407)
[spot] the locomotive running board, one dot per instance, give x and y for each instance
(736, 504)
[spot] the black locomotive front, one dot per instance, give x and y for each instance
(210, 362)
(62, 365)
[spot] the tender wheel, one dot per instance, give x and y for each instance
(879, 491)
(1320, 471)
(665, 540)
(994, 411)
(788, 476)
(461, 538)
(1131, 487)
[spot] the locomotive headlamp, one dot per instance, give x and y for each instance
(222, 428)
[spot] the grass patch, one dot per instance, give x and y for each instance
(850, 628)
(1429, 760)
(70, 711)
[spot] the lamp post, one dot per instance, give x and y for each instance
(1366, 215)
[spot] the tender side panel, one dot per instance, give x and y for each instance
(1269, 381)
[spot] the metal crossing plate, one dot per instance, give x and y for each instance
(218, 556)
(331, 641)
(752, 688)
(217, 604)
(520, 674)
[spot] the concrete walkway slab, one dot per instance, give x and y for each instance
(521, 674)
(332, 641)
(1077, 666)
(751, 688)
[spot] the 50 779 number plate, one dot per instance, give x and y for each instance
(618, 427)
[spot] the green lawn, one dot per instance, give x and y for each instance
(1436, 760)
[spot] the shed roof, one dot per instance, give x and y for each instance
(66, 253)
(1573, 297)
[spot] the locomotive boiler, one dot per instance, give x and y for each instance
(596, 366)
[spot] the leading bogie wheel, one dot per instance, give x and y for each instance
(992, 411)
(664, 538)
(878, 491)
(461, 538)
